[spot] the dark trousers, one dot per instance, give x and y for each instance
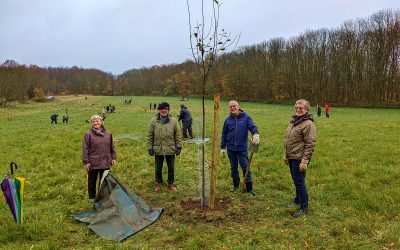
(299, 180)
(159, 160)
(187, 126)
(235, 158)
(93, 176)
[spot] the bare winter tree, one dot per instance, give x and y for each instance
(207, 41)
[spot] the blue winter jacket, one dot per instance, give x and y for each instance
(234, 133)
(185, 116)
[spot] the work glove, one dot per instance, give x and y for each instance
(151, 152)
(223, 152)
(286, 160)
(303, 167)
(178, 151)
(256, 139)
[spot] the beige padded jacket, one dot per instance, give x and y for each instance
(300, 139)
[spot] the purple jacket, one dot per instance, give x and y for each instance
(98, 149)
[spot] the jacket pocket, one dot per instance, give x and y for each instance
(156, 149)
(94, 161)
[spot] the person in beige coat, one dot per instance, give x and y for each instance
(299, 146)
(164, 140)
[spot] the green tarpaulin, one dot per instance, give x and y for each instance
(118, 212)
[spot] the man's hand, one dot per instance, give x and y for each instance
(178, 151)
(113, 162)
(151, 152)
(223, 152)
(87, 167)
(286, 161)
(256, 139)
(303, 167)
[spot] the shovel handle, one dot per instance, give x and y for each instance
(11, 167)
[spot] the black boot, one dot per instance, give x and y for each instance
(249, 188)
(235, 187)
(300, 212)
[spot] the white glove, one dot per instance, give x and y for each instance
(256, 139)
(223, 152)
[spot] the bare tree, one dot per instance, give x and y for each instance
(206, 43)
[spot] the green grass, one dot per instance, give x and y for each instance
(353, 180)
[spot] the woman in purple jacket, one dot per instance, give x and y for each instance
(98, 153)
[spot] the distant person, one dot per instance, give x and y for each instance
(164, 141)
(65, 118)
(187, 121)
(151, 105)
(234, 143)
(318, 110)
(327, 110)
(154, 105)
(299, 145)
(98, 153)
(53, 118)
(103, 116)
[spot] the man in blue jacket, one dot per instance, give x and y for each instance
(234, 143)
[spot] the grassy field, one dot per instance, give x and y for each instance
(353, 180)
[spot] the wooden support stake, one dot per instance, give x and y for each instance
(213, 177)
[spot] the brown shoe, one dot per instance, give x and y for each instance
(171, 187)
(158, 187)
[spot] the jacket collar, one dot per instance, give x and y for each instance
(241, 113)
(299, 119)
(99, 132)
(159, 118)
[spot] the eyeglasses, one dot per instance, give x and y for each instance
(298, 108)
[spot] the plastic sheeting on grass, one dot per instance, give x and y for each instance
(118, 212)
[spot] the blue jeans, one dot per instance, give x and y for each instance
(242, 158)
(299, 180)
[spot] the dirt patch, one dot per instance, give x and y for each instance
(190, 210)
(195, 204)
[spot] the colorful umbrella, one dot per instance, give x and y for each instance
(13, 190)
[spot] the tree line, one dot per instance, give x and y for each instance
(357, 63)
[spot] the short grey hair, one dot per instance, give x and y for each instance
(94, 117)
(304, 102)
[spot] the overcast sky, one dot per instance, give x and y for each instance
(118, 35)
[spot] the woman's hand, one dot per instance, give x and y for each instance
(113, 162)
(87, 167)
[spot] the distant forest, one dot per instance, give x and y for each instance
(356, 64)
